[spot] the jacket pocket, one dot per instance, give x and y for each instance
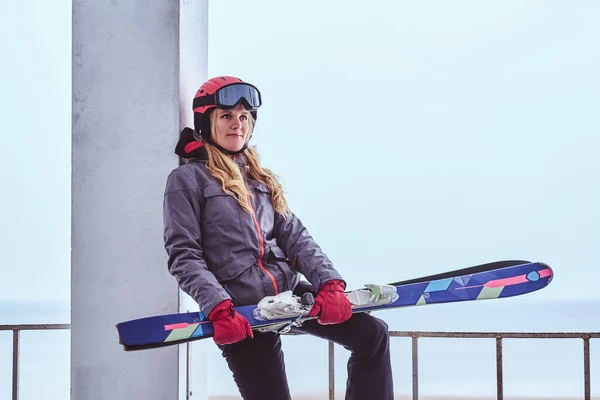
(215, 199)
(289, 277)
(262, 205)
(241, 281)
(221, 226)
(276, 253)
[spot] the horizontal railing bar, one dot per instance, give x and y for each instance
(425, 334)
(34, 327)
(506, 335)
(480, 335)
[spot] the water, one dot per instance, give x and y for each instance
(545, 367)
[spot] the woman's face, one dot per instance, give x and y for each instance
(231, 127)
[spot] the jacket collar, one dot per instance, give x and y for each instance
(189, 147)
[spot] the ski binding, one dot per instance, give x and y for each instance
(373, 295)
(283, 305)
(287, 305)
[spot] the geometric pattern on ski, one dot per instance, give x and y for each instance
(488, 281)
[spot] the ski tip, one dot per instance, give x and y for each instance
(544, 265)
(117, 326)
(550, 273)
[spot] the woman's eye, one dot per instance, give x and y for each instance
(244, 117)
(226, 116)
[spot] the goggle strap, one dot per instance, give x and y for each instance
(204, 101)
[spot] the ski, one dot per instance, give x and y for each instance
(284, 311)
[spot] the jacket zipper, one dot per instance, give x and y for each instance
(261, 244)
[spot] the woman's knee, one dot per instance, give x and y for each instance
(381, 328)
(375, 331)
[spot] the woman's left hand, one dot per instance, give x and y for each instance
(332, 304)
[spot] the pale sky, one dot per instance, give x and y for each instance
(35, 154)
(411, 137)
(419, 137)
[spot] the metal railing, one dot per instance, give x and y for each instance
(16, 330)
(498, 336)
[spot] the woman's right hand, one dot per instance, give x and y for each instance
(230, 326)
(331, 304)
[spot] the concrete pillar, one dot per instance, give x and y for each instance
(126, 120)
(193, 65)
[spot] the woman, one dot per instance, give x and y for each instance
(232, 240)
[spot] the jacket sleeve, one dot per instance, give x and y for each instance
(304, 253)
(183, 242)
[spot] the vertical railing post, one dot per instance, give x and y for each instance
(415, 367)
(499, 379)
(188, 365)
(586, 367)
(331, 372)
(15, 367)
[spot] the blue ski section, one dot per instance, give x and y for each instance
(488, 281)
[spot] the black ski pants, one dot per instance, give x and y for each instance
(258, 365)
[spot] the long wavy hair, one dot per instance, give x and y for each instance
(224, 169)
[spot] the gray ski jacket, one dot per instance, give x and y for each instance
(219, 251)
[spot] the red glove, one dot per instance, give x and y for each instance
(230, 327)
(332, 303)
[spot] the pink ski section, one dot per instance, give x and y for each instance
(506, 281)
(183, 325)
(515, 280)
(176, 326)
(545, 273)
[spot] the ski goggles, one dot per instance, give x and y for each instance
(231, 96)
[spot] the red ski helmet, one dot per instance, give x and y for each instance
(222, 92)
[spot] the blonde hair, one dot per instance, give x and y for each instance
(224, 169)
